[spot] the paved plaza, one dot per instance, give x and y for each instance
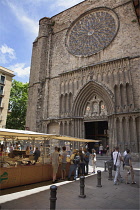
(109, 196)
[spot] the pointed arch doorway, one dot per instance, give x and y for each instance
(91, 109)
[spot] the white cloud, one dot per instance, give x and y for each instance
(6, 54)
(20, 70)
(24, 10)
(28, 23)
(65, 3)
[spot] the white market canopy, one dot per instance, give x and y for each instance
(11, 134)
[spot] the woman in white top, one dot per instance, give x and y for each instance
(93, 158)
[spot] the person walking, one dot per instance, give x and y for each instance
(64, 163)
(117, 158)
(93, 159)
(128, 167)
(107, 150)
(124, 153)
(55, 163)
(86, 159)
(101, 149)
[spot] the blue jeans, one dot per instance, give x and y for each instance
(117, 174)
(72, 168)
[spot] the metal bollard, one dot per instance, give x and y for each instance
(105, 163)
(99, 179)
(82, 185)
(53, 198)
(110, 173)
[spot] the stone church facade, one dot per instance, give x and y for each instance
(84, 79)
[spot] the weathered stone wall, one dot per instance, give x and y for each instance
(54, 98)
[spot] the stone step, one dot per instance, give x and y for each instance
(104, 157)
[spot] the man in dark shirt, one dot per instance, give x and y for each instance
(36, 154)
(86, 159)
(128, 167)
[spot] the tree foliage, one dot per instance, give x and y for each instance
(17, 105)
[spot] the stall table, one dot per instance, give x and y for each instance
(29, 174)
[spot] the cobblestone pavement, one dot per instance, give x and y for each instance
(109, 196)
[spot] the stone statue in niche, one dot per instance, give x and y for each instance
(95, 107)
(102, 108)
(88, 110)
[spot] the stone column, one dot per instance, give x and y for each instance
(127, 132)
(59, 123)
(72, 128)
(81, 129)
(68, 128)
(125, 99)
(63, 127)
(135, 134)
(115, 132)
(78, 128)
(120, 99)
(120, 133)
(111, 132)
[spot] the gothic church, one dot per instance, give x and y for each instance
(84, 79)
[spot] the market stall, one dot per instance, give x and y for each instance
(19, 169)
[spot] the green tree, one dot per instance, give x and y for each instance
(17, 105)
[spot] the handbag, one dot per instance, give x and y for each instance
(115, 163)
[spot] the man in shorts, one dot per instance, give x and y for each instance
(128, 167)
(55, 163)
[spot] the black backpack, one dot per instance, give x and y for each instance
(76, 159)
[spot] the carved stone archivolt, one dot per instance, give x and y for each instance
(93, 99)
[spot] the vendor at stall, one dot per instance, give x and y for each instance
(27, 150)
(17, 147)
(36, 154)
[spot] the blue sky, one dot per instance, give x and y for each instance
(19, 21)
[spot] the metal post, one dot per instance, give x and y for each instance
(82, 185)
(105, 163)
(99, 179)
(110, 173)
(53, 198)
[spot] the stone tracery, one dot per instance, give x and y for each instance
(92, 32)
